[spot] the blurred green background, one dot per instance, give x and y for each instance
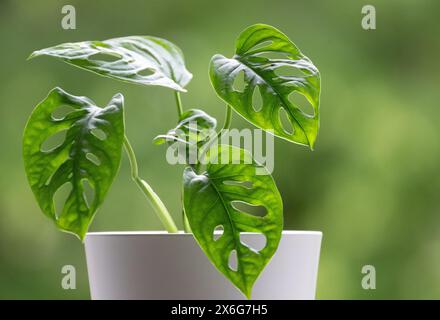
(371, 186)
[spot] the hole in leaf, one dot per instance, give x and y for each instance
(256, 242)
(88, 193)
(255, 210)
(50, 178)
(275, 55)
(54, 141)
(285, 121)
(257, 99)
(301, 102)
(61, 112)
(146, 72)
(100, 134)
(55, 172)
(93, 158)
(105, 57)
(60, 198)
(100, 44)
(239, 82)
(233, 261)
(288, 71)
(261, 45)
(244, 184)
(218, 232)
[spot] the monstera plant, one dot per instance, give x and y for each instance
(89, 154)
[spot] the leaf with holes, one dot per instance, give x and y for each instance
(221, 195)
(276, 70)
(89, 155)
(137, 59)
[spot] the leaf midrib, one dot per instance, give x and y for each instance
(286, 106)
(78, 147)
(233, 231)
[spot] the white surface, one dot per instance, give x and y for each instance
(158, 265)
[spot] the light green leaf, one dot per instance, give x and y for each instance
(194, 126)
(188, 138)
(137, 59)
(276, 72)
(89, 154)
(212, 199)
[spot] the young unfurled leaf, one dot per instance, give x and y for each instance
(194, 129)
(194, 126)
(276, 74)
(137, 59)
(86, 157)
(223, 196)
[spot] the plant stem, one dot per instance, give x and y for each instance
(227, 123)
(228, 117)
(178, 103)
(186, 226)
(157, 204)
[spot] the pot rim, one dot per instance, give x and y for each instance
(182, 233)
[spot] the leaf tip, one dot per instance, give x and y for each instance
(58, 91)
(180, 89)
(117, 99)
(82, 238)
(312, 143)
(79, 234)
(158, 140)
(248, 293)
(33, 55)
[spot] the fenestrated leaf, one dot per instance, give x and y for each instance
(90, 153)
(274, 66)
(142, 60)
(209, 202)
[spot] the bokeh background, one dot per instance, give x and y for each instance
(372, 185)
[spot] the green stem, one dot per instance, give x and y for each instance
(157, 204)
(178, 103)
(228, 117)
(186, 226)
(227, 124)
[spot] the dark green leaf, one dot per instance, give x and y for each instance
(278, 74)
(89, 154)
(138, 59)
(211, 201)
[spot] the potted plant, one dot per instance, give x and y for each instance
(221, 182)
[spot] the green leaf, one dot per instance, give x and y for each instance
(138, 59)
(90, 155)
(195, 126)
(212, 199)
(275, 71)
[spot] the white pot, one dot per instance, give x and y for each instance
(159, 265)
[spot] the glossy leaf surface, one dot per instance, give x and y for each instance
(224, 196)
(87, 158)
(141, 60)
(278, 82)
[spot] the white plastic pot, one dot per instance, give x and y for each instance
(159, 265)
